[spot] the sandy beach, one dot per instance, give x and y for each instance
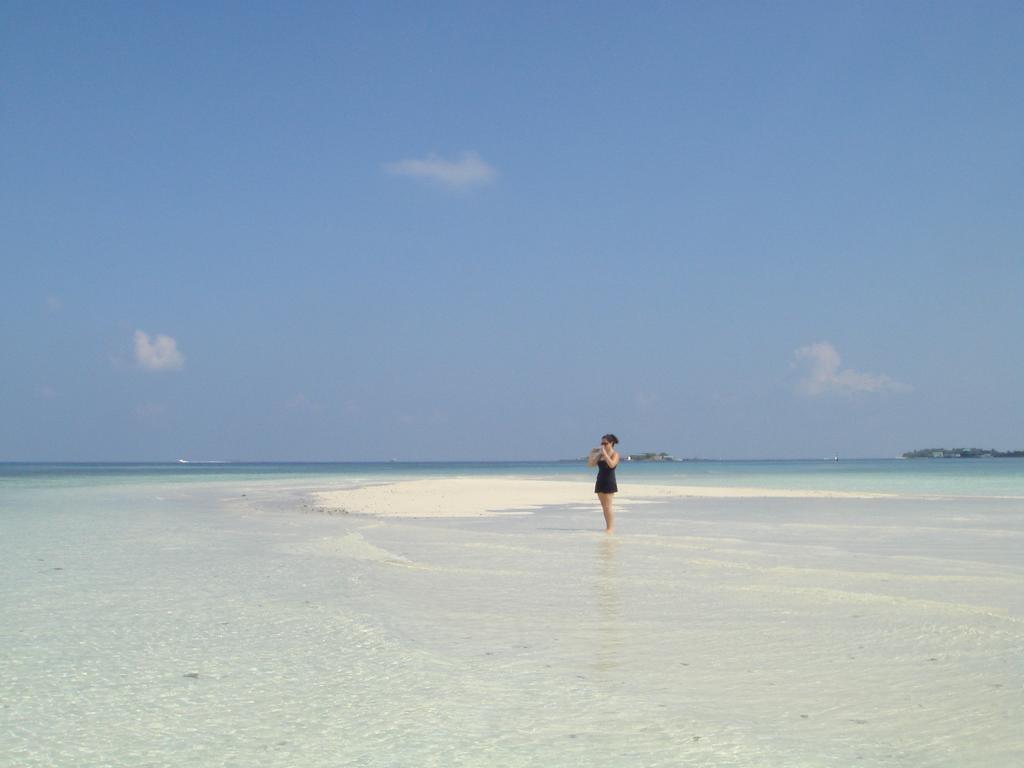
(475, 497)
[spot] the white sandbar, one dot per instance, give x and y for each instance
(477, 496)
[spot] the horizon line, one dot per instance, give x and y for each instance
(218, 462)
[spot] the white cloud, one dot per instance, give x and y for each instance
(158, 354)
(469, 170)
(822, 374)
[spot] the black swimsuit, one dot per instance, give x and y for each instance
(605, 478)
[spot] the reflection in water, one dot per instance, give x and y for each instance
(609, 628)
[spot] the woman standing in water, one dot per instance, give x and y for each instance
(606, 487)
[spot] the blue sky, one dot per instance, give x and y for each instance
(330, 231)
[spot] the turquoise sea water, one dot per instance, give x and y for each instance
(950, 477)
(166, 615)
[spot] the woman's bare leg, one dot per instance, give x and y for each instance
(609, 512)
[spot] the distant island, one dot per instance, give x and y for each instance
(962, 453)
(649, 457)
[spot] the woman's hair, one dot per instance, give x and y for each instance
(610, 438)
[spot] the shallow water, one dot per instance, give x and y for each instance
(165, 623)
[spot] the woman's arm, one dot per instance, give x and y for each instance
(611, 458)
